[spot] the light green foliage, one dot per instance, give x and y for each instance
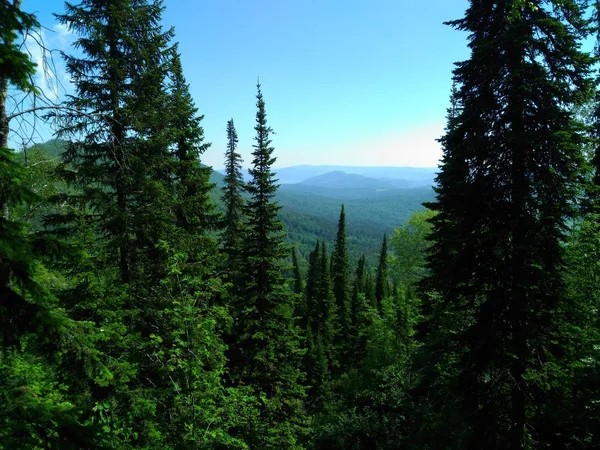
(410, 244)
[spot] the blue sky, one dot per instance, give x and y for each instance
(345, 81)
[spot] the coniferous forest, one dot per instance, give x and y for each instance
(143, 307)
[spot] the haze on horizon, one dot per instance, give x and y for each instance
(345, 82)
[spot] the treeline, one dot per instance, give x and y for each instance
(133, 315)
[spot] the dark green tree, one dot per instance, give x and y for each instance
(340, 277)
(195, 212)
(314, 269)
(381, 280)
(39, 408)
(506, 190)
(324, 315)
(268, 353)
(232, 196)
(359, 306)
(359, 288)
(140, 211)
(298, 278)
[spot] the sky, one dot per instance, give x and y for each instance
(345, 82)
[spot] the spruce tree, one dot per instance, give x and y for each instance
(359, 288)
(360, 305)
(298, 279)
(324, 315)
(506, 189)
(140, 208)
(314, 268)
(269, 353)
(195, 212)
(232, 197)
(340, 274)
(39, 403)
(381, 280)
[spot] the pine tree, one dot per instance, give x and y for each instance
(505, 192)
(139, 191)
(340, 274)
(314, 268)
(358, 311)
(195, 212)
(119, 158)
(37, 411)
(269, 352)
(381, 282)
(324, 315)
(359, 288)
(298, 278)
(232, 197)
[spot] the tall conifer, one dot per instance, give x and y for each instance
(232, 196)
(505, 192)
(269, 349)
(340, 274)
(381, 280)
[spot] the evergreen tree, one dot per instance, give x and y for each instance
(298, 278)
(324, 316)
(340, 274)
(232, 197)
(505, 192)
(312, 276)
(381, 281)
(140, 208)
(195, 212)
(269, 352)
(359, 288)
(39, 407)
(358, 314)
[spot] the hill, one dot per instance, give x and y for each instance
(415, 175)
(310, 212)
(311, 208)
(346, 186)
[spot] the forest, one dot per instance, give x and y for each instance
(148, 302)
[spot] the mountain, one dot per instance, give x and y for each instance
(346, 186)
(340, 179)
(310, 212)
(311, 209)
(297, 174)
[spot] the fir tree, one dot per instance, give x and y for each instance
(35, 357)
(324, 315)
(505, 192)
(381, 281)
(314, 268)
(196, 213)
(139, 190)
(269, 349)
(340, 273)
(359, 288)
(232, 196)
(298, 278)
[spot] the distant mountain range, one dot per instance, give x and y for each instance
(376, 199)
(347, 186)
(413, 176)
(374, 205)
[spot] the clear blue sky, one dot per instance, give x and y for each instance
(345, 82)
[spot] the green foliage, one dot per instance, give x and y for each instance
(340, 277)
(493, 342)
(381, 280)
(15, 66)
(133, 315)
(268, 352)
(233, 201)
(410, 245)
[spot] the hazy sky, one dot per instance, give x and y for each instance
(345, 82)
